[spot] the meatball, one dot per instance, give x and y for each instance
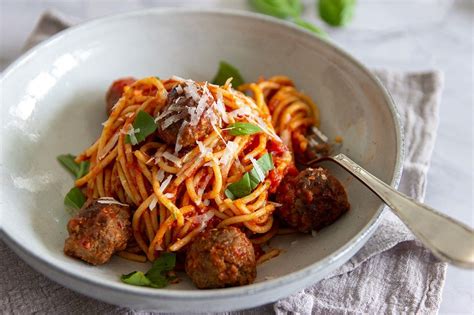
(176, 120)
(115, 92)
(311, 200)
(221, 257)
(97, 232)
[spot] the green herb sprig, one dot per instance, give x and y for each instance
(74, 199)
(250, 180)
(242, 128)
(76, 169)
(145, 124)
(156, 276)
(226, 71)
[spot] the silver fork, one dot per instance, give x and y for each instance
(448, 239)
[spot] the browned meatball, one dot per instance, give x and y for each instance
(115, 92)
(97, 232)
(222, 257)
(311, 200)
(176, 115)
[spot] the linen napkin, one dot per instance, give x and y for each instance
(392, 273)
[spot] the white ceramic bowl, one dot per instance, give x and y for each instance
(53, 103)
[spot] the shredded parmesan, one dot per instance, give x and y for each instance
(205, 151)
(203, 219)
(206, 202)
(160, 175)
(169, 195)
(220, 107)
(173, 158)
(165, 183)
(258, 169)
(131, 133)
(318, 132)
(229, 152)
(110, 144)
(178, 146)
(153, 203)
(110, 200)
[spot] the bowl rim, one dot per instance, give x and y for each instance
(293, 277)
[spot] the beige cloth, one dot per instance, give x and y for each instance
(392, 273)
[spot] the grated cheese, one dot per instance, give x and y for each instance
(229, 152)
(153, 203)
(173, 158)
(165, 183)
(220, 107)
(206, 202)
(258, 170)
(112, 142)
(110, 200)
(318, 132)
(178, 146)
(160, 175)
(203, 219)
(169, 195)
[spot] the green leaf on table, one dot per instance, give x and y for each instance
(336, 12)
(143, 126)
(310, 27)
(278, 8)
(226, 71)
(242, 128)
(74, 198)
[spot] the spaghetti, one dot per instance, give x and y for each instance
(178, 190)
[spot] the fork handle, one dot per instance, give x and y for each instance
(448, 239)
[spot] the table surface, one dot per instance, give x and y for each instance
(409, 35)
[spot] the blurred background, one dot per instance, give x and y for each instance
(405, 35)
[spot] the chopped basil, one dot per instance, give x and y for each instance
(239, 189)
(145, 126)
(241, 128)
(310, 27)
(250, 180)
(76, 169)
(136, 278)
(74, 198)
(226, 71)
(156, 277)
(278, 8)
(336, 12)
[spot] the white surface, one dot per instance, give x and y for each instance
(57, 87)
(399, 34)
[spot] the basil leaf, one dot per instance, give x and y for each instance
(250, 180)
(136, 278)
(156, 276)
(336, 12)
(241, 128)
(226, 70)
(67, 160)
(240, 188)
(76, 169)
(74, 198)
(146, 125)
(278, 8)
(310, 27)
(165, 262)
(83, 169)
